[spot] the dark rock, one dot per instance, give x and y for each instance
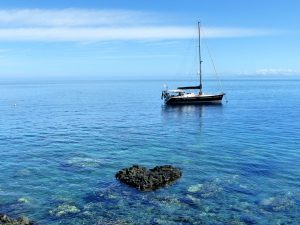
(148, 180)
(6, 220)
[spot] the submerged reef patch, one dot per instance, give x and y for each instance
(277, 203)
(83, 162)
(64, 209)
(206, 190)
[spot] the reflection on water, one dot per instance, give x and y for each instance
(189, 108)
(189, 118)
(194, 110)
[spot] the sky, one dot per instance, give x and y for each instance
(140, 38)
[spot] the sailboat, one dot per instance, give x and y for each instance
(181, 96)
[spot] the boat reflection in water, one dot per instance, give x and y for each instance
(193, 110)
(191, 118)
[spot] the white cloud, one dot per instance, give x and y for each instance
(101, 25)
(73, 17)
(272, 71)
(118, 33)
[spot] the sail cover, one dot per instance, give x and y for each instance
(190, 87)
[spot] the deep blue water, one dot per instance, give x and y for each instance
(62, 143)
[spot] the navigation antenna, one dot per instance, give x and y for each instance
(200, 60)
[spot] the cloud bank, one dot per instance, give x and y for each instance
(73, 17)
(101, 25)
(273, 71)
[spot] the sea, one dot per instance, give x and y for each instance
(62, 142)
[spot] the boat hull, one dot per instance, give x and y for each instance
(199, 99)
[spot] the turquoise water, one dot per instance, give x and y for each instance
(62, 143)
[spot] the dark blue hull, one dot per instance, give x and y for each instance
(199, 99)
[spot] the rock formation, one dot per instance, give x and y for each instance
(148, 180)
(6, 220)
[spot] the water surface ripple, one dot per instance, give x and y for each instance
(62, 143)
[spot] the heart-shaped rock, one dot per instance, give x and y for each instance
(148, 180)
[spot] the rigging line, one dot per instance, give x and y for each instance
(192, 69)
(191, 66)
(184, 62)
(213, 64)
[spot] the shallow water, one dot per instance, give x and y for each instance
(62, 143)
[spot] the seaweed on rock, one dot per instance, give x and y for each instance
(148, 180)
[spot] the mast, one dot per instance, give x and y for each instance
(200, 60)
